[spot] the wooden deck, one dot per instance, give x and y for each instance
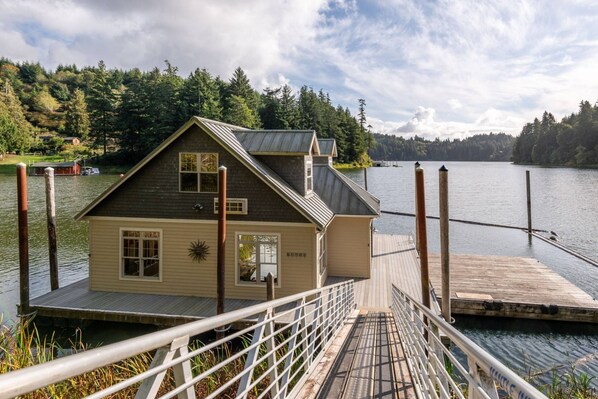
(512, 287)
(77, 301)
(395, 261)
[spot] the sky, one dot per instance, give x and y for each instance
(446, 69)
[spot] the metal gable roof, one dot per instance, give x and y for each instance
(343, 195)
(327, 147)
(312, 206)
(281, 142)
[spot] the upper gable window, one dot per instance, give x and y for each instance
(309, 183)
(198, 172)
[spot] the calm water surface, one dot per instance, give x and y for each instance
(564, 200)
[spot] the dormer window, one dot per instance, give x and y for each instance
(309, 180)
(198, 172)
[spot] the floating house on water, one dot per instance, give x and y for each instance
(289, 213)
(60, 168)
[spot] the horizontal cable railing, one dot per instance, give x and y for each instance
(278, 343)
(437, 372)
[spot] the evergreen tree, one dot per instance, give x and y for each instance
(102, 102)
(15, 130)
(200, 95)
(240, 87)
(238, 113)
(76, 117)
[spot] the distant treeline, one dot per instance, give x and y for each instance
(127, 113)
(573, 141)
(481, 147)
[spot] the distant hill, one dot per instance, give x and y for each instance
(573, 141)
(481, 147)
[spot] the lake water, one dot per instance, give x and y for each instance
(563, 200)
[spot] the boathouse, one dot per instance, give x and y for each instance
(60, 168)
(289, 213)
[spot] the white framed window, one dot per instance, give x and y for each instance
(141, 254)
(309, 180)
(198, 172)
(322, 256)
(257, 255)
(234, 206)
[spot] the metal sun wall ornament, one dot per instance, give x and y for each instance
(198, 251)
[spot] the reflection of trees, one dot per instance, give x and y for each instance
(247, 265)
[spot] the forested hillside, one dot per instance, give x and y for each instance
(125, 114)
(481, 147)
(573, 141)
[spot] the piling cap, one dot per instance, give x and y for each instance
(222, 167)
(417, 164)
(21, 165)
(443, 169)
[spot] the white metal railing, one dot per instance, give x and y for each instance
(436, 371)
(284, 340)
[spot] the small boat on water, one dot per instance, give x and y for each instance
(88, 171)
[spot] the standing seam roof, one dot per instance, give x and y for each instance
(342, 195)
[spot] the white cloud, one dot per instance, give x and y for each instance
(454, 104)
(475, 65)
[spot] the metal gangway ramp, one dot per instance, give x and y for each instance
(279, 349)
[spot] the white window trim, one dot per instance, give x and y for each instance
(256, 284)
(322, 237)
(198, 173)
(121, 275)
(309, 164)
(242, 201)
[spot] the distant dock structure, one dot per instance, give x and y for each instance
(386, 164)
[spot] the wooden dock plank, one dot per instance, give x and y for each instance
(519, 287)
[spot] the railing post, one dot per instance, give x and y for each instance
(289, 357)
(182, 371)
(483, 380)
(253, 354)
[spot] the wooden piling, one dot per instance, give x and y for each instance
(23, 238)
(444, 243)
(221, 238)
(51, 221)
(270, 287)
(423, 237)
(416, 165)
(365, 178)
(529, 203)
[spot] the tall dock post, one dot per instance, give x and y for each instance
(365, 178)
(423, 237)
(529, 203)
(269, 287)
(416, 165)
(23, 238)
(51, 218)
(444, 243)
(221, 238)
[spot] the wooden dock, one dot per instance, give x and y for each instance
(77, 301)
(512, 287)
(395, 261)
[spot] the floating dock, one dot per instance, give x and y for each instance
(512, 287)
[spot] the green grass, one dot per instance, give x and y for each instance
(8, 162)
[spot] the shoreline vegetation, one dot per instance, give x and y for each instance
(21, 345)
